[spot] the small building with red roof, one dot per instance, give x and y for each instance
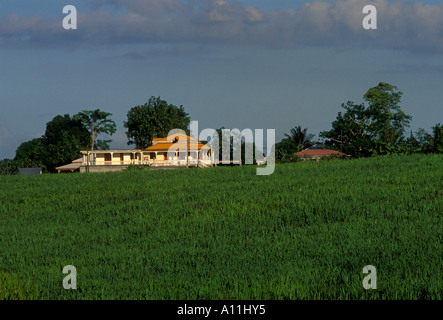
(318, 152)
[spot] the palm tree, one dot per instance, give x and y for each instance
(300, 137)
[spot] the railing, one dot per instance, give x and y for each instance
(113, 163)
(152, 162)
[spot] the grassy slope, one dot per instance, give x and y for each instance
(305, 232)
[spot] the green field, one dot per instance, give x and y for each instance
(304, 232)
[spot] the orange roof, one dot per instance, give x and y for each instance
(319, 152)
(159, 139)
(176, 140)
(178, 136)
(166, 146)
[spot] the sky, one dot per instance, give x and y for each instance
(254, 64)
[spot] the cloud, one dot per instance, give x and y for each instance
(401, 25)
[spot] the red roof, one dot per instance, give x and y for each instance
(319, 152)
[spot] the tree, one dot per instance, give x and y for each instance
(8, 167)
(427, 143)
(97, 122)
(437, 138)
(377, 128)
(285, 146)
(423, 139)
(31, 154)
(388, 121)
(154, 119)
(64, 138)
(300, 138)
(239, 147)
(350, 131)
(420, 141)
(62, 142)
(236, 144)
(297, 140)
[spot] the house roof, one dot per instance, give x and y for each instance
(69, 167)
(176, 146)
(72, 166)
(176, 141)
(319, 152)
(109, 151)
(174, 137)
(29, 171)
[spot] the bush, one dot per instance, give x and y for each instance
(8, 167)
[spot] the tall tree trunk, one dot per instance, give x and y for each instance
(92, 139)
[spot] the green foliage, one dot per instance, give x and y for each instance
(97, 122)
(154, 119)
(304, 232)
(300, 138)
(350, 131)
(238, 146)
(378, 128)
(418, 142)
(284, 148)
(437, 139)
(31, 154)
(297, 140)
(388, 121)
(287, 157)
(8, 167)
(64, 138)
(422, 138)
(62, 142)
(424, 142)
(102, 144)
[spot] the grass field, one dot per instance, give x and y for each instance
(304, 232)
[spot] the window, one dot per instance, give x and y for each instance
(108, 157)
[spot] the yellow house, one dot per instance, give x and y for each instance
(177, 150)
(173, 151)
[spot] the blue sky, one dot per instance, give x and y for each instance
(238, 64)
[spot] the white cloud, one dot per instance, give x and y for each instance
(401, 25)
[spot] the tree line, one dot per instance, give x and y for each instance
(378, 126)
(375, 127)
(66, 136)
